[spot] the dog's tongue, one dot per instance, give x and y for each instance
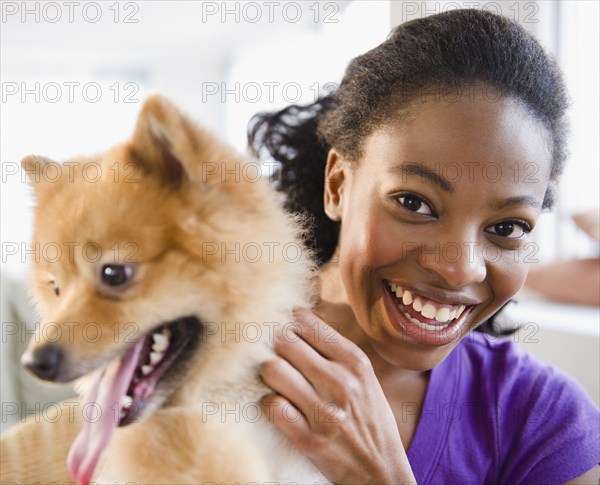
(108, 387)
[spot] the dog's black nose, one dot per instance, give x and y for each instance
(46, 362)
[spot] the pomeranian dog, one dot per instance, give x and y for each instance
(178, 266)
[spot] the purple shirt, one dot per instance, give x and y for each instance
(496, 415)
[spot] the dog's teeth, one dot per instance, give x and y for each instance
(155, 357)
(161, 342)
(146, 369)
(126, 401)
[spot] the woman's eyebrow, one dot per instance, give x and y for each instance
(518, 200)
(419, 169)
(409, 168)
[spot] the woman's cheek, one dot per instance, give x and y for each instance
(506, 277)
(366, 245)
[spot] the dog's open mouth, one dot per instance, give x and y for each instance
(121, 391)
(163, 349)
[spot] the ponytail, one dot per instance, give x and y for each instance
(290, 138)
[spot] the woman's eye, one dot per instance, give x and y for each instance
(510, 229)
(116, 275)
(415, 204)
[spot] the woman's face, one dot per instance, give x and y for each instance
(435, 222)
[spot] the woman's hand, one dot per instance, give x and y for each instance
(329, 403)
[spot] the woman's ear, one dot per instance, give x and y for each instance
(334, 185)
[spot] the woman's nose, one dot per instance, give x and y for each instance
(459, 262)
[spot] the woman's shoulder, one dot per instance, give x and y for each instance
(500, 372)
(542, 415)
(495, 414)
(501, 362)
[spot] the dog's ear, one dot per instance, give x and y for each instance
(43, 173)
(164, 141)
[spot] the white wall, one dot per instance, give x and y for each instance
(300, 67)
(178, 48)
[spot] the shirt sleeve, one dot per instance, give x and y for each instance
(549, 425)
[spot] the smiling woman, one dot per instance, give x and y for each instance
(424, 175)
(405, 224)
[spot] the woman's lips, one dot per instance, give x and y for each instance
(421, 319)
(423, 309)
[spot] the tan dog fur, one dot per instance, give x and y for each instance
(144, 210)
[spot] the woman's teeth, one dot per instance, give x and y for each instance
(443, 314)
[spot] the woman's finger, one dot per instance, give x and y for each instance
(288, 381)
(301, 355)
(325, 339)
(288, 419)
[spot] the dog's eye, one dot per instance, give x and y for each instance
(116, 274)
(55, 287)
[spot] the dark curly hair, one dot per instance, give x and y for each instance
(448, 51)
